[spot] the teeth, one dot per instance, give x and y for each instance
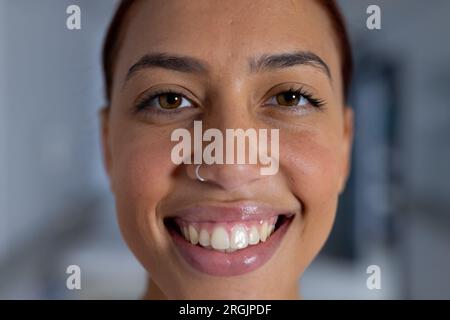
(204, 238)
(220, 239)
(271, 229)
(263, 232)
(229, 237)
(193, 235)
(185, 232)
(239, 237)
(253, 235)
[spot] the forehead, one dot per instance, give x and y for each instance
(227, 33)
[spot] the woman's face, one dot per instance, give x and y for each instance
(227, 88)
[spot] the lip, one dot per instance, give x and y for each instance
(234, 263)
(243, 211)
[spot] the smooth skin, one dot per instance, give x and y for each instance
(315, 144)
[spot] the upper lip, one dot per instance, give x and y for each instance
(229, 212)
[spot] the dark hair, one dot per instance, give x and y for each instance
(115, 32)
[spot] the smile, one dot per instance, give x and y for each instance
(227, 237)
(228, 241)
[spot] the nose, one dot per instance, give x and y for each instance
(236, 161)
(228, 177)
(231, 173)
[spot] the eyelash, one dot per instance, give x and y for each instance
(143, 103)
(302, 92)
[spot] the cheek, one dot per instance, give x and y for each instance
(312, 165)
(141, 162)
(141, 178)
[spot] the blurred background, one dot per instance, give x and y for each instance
(56, 209)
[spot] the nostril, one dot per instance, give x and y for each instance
(230, 177)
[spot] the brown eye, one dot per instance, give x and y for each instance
(298, 100)
(169, 100)
(164, 101)
(288, 98)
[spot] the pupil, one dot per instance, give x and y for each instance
(172, 99)
(290, 98)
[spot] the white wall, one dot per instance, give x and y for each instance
(415, 33)
(3, 170)
(51, 90)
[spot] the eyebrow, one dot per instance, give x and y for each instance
(271, 62)
(263, 63)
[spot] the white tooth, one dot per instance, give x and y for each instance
(253, 235)
(230, 250)
(220, 239)
(271, 228)
(186, 233)
(239, 237)
(193, 235)
(204, 238)
(263, 231)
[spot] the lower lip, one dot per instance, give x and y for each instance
(229, 264)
